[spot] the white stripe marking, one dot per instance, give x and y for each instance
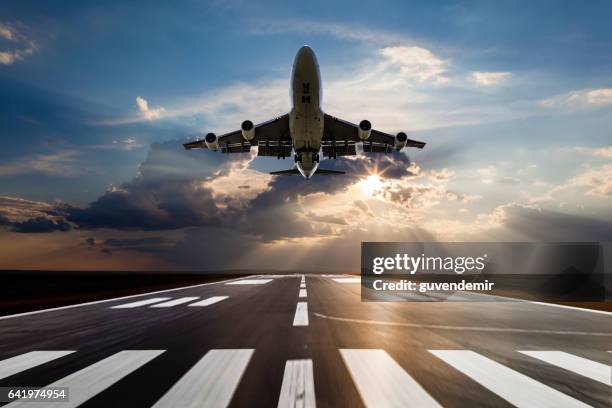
(514, 387)
(382, 382)
(301, 314)
(209, 301)
(211, 382)
(95, 302)
(302, 293)
(297, 390)
(90, 381)
(579, 365)
(302, 285)
(250, 282)
(23, 362)
(348, 280)
(140, 303)
(176, 302)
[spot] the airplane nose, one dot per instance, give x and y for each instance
(305, 52)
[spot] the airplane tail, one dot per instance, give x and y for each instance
(296, 172)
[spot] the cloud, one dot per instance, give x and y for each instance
(147, 112)
(517, 222)
(338, 30)
(26, 216)
(417, 62)
(490, 78)
(127, 143)
(22, 46)
(60, 163)
(584, 98)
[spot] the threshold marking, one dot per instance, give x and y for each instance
(91, 380)
(22, 362)
(175, 302)
(301, 314)
(579, 365)
(211, 382)
(514, 387)
(382, 382)
(250, 282)
(209, 301)
(347, 280)
(140, 303)
(298, 385)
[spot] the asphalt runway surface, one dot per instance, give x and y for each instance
(305, 341)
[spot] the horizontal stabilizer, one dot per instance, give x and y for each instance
(296, 172)
(292, 172)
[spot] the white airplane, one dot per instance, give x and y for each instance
(306, 131)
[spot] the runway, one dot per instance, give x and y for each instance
(306, 341)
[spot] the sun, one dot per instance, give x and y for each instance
(370, 185)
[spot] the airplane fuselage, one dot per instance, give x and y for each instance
(306, 116)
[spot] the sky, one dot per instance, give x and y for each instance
(514, 101)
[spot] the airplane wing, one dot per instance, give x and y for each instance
(340, 136)
(272, 137)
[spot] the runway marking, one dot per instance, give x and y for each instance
(250, 282)
(302, 285)
(301, 314)
(347, 280)
(95, 302)
(176, 302)
(382, 382)
(22, 362)
(297, 390)
(90, 381)
(140, 303)
(582, 366)
(461, 328)
(514, 387)
(209, 301)
(302, 293)
(211, 382)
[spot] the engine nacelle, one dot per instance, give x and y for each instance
(248, 130)
(211, 142)
(400, 140)
(365, 128)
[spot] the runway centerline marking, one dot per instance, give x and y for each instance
(514, 387)
(209, 301)
(140, 303)
(22, 362)
(302, 286)
(91, 380)
(461, 328)
(301, 314)
(382, 382)
(176, 302)
(298, 385)
(250, 282)
(347, 280)
(579, 365)
(211, 382)
(302, 293)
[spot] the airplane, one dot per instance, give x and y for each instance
(306, 131)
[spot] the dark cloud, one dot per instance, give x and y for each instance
(40, 225)
(535, 224)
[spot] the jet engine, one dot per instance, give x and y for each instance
(248, 130)
(400, 140)
(211, 141)
(365, 128)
